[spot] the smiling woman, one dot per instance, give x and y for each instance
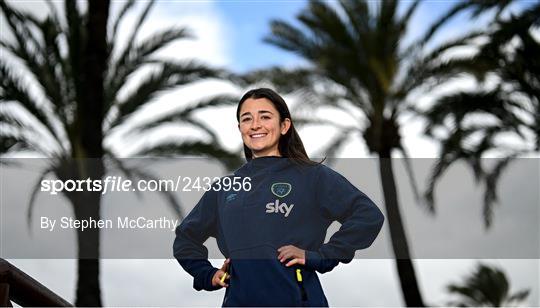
(273, 234)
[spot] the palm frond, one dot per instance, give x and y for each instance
(404, 22)
(19, 28)
(124, 54)
(171, 149)
(292, 39)
(35, 191)
(170, 75)
(203, 127)
(456, 146)
(486, 286)
(123, 11)
(458, 8)
(15, 139)
(330, 150)
(13, 119)
(326, 24)
(42, 59)
(215, 101)
(491, 180)
(441, 165)
(304, 121)
(358, 16)
(137, 27)
(282, 79)
(120, 70)
(12, 143)
(31, 52)
(477, 7)
(52, 70)
(59, 90)
(53, 14)
(386, 15)
(410, 172)
(460, 105)
(481, 7)
(518, 296)
(186, 115)
(420, 70)
(12, 89)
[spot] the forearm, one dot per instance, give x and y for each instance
(202, 272)
(315, 261)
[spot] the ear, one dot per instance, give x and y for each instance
(285, 125)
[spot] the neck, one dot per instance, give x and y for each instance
(272, 153)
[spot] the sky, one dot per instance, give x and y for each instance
(229, 34)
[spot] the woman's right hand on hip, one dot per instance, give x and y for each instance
(218, 279)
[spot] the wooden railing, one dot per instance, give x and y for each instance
(18, 287)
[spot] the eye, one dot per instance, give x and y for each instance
(245, 119)
(265, 117)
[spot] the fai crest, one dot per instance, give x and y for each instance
(281, 189)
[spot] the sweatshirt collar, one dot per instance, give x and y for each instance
(263, 164)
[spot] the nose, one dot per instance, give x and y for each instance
(255, 125)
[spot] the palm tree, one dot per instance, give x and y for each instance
(513, 105)
(486, 287)
(79, 70)
(357, 61)
(476, 8)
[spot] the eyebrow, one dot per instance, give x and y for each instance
(260, 112)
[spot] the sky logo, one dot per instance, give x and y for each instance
(276, 207)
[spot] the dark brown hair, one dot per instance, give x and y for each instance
(290, 145)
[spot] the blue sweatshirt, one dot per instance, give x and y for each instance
(287, 204)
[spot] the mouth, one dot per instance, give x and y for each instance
(259, 135)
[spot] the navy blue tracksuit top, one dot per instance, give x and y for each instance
(287, 204)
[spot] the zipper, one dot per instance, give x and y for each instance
(300, 282)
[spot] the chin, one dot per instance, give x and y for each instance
(257, 146)
(257, 149)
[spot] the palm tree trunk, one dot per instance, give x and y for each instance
(405, 268)
(88, 289)
(90, 115)
(90, 111)
(86, 206)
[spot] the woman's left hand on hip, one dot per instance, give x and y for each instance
(287, 252)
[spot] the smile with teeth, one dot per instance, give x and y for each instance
(258, 135)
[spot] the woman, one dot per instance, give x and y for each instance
(273, 234)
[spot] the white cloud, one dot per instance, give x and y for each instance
(201, 18)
